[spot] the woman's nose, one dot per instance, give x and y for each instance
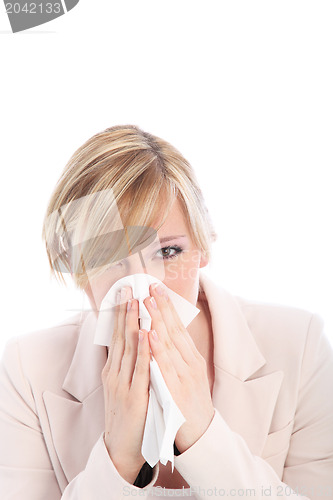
(141, 262)
(135, 264)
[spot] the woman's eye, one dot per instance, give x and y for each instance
(166, 252)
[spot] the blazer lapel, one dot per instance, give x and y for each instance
(244, 391)
(76, 416)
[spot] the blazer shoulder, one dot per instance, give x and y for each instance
(35, 352)
(278, 328)
(263, 313)
(61, 332)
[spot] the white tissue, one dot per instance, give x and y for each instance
(163, 416)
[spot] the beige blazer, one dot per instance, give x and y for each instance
(272, 429)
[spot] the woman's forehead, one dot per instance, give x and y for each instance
(175, 222)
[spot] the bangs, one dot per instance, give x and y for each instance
(95, 231)
(141, 217)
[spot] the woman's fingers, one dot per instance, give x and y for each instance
(140, 379)
(173, 366)
(125, 410)
(178, 321)
(131, 341)
(117, 345)
(170, 330)
(111, 348)
(168, 358)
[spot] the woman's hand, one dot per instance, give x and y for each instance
(183, 368)
(126, 389)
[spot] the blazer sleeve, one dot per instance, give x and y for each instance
(221, 463)
(26, 470)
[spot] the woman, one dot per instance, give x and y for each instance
(253, 381)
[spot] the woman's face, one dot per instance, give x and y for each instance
(176, 256)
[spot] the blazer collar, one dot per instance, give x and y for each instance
(235, 350)
(244, 394)
(84, 374)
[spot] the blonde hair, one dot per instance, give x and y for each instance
(122, 170)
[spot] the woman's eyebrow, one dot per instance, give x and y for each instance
(167, 238)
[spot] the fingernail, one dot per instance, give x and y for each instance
(141, 335)
(153, 303)
(158, 288)
(129, 305)
(118, 298)
(154, 334)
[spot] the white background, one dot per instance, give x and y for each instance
(243, 89)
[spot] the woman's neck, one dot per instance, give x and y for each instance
(200, 328)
